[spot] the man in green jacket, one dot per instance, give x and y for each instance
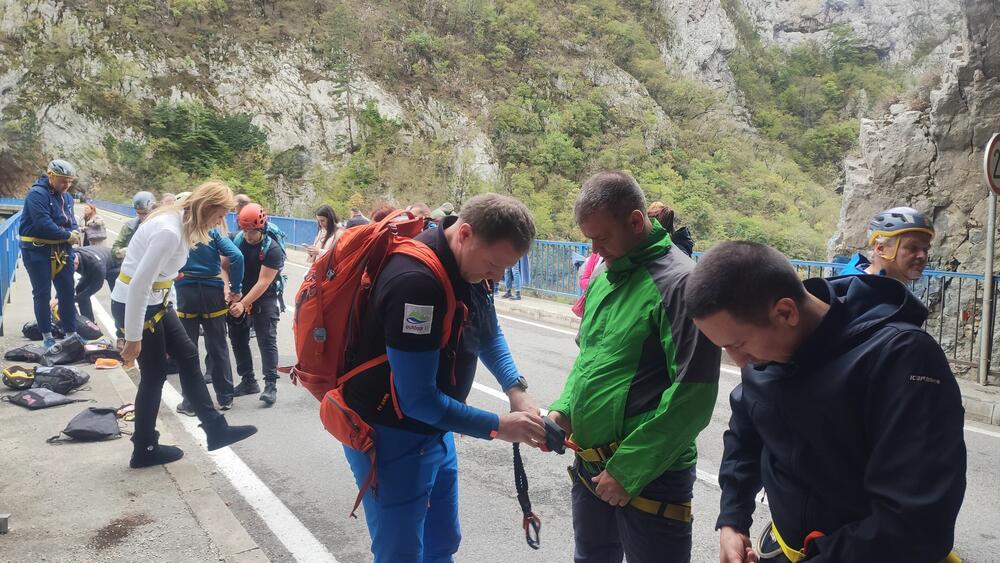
(642, 388)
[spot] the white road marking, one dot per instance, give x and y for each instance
(522, 321)
(978, 430)
(289, 530)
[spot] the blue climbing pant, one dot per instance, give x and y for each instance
(413, 515)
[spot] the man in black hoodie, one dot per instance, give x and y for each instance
(848, 414)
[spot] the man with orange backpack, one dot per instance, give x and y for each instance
(428, 320)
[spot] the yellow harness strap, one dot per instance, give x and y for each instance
(165, 284)
(600, 454)
(150, 324)
(795, 555)
(42, 241)
(212, 315)
(681, 511)
(59, 256)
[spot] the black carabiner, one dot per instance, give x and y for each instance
(532, 524)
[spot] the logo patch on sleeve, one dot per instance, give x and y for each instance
(417, 319)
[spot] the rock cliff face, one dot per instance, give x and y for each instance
(899, 30)
(928, 154)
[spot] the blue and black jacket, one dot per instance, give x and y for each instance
(204, 265)
(47, 215)
(859, 437)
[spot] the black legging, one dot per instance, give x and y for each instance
(168, 336)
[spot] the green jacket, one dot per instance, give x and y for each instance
(645, 377)
(124, 237)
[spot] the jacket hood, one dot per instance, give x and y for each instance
(657, 244)
(859, 306)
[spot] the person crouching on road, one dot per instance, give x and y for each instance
(92, 263)
(413, 516)
(203, 303)
(641, 390)
(141, 308)
(259, 309)
(48, 231)
(900, 239)
(847, 414)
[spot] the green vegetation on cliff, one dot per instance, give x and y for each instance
(562, 89)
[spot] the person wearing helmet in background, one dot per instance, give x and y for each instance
(259, 308)
(48, 231)
(900, 239)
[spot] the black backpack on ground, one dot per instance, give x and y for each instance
(84, 327)
(60, 379)
(66, 351)
(35, 399)
(27, 353)
(91, 425)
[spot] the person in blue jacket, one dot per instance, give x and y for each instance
(848, 414)
(48, 231)
(900, 239)
(203, 300)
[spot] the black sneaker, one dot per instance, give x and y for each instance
(517, 297)
(246, 387)
(506, 295)
(270, 394)
(226, 406)
(185, 408)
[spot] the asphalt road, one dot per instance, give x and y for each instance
(304, 467)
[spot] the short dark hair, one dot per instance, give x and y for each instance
(743, 279)
(615, 191)
(495, 217)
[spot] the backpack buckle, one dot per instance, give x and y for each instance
(319, 334)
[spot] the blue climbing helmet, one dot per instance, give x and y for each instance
(143, 201)
(62, 168)
(897, 221)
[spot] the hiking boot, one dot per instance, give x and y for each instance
(226, 406)
(506, 295)
(220, 434)
(517, 296)
(48, 343)
(153, 454)
(246, 387)
(270, 394)
(185, 408)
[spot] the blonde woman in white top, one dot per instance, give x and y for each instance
(140, 303)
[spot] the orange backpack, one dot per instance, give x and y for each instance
(329, 310)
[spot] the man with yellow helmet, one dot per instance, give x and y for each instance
(900, 239)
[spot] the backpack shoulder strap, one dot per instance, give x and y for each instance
(426, 256)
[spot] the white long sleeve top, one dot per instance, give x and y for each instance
(156, 253)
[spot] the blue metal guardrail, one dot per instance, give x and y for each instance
(10, 251)
(953, 298)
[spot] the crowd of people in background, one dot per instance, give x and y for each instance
(876, 449)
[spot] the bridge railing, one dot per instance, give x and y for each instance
(10, 251)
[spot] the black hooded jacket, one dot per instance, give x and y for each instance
(860, 437)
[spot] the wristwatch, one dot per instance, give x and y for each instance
(521, 383)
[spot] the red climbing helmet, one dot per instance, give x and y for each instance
(252, 218)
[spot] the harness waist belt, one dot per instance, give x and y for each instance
(165, 284)
(36, 240)
(674, 511)
(212, 315)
